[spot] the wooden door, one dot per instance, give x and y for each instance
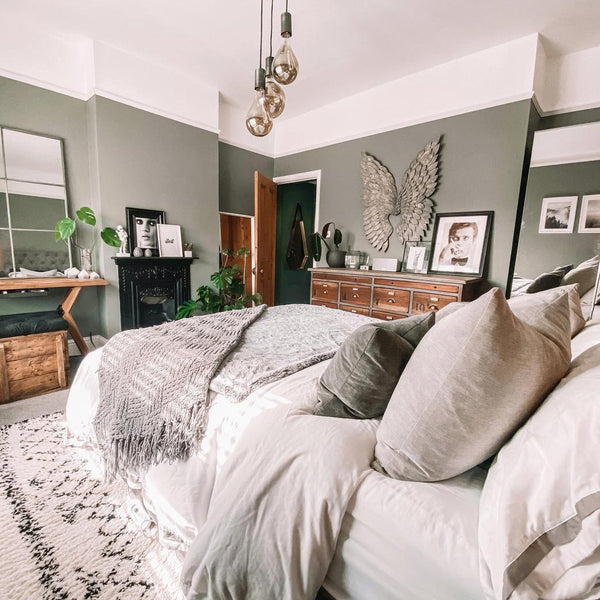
(265, 214)
(236, 233)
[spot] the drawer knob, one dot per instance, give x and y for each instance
(432, 307)
(324, 291)
(391, 301)
(355, 295)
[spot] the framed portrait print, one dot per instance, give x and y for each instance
(169, 240)
(589, 220)
(558, 214)
(143, 228)
(416, 257)
(460, 242)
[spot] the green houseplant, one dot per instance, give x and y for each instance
(227, 291)
(334, 257)
(66, 229)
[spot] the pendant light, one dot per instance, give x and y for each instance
(258, 121)
(274, 94)
(285, 64)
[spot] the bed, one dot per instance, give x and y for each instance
(397, 539)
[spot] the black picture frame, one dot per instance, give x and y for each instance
(461, 256)
(132, 214)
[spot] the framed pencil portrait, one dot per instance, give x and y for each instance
(460, 242)
(143, 228)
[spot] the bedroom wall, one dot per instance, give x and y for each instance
(236, 177)
(480, 169)
(147, 161)
(31, 108)
(539, 252)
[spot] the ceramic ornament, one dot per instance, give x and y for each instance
(72, 273)
(83, 275)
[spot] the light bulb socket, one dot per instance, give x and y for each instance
(286, 25)
(259, 79)
(269, 66)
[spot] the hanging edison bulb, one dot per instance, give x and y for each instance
(274, 94)
(285, 64)
(258, 121)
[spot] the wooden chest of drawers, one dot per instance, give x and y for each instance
(387, 295)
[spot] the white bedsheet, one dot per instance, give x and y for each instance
(399, 540)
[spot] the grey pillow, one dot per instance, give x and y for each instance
(472, 381)
(584, 274)
(361, 377)
(547, 281)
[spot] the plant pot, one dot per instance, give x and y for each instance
(336, 258)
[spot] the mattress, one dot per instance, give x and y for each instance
(399, 539)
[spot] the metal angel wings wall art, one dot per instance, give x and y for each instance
(413, 203)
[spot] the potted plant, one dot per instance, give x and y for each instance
(228, 292)
(334, 257)
(66, 229)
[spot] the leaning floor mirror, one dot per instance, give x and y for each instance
(32, 199)
(559, 242)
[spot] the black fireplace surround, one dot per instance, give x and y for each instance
(151, 289)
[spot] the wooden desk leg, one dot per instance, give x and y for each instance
(67, 304)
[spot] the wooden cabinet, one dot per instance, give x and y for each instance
(387, 295)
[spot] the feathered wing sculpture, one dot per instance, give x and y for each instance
(413, 203)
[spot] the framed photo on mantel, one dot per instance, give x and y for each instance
(143, 229)
(169, 240)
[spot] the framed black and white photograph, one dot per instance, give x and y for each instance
(558, 214)
(143, 229)
(416, 257)
(589, 220)
(169, 240)
(460, 242)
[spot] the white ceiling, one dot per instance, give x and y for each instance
(343, 46)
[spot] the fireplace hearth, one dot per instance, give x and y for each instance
(151, 289)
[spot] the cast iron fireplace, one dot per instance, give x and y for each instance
(151, 289)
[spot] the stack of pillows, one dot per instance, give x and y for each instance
(583, 274)
(450, 396)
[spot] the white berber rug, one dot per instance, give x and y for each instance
(65, 535)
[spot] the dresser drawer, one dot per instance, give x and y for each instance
(355, 294)
(325, 290)
(418, 285)
(322, 303)
(423, 303)
(391, 300)
(355, 309)
(386, 316)
(353, 279)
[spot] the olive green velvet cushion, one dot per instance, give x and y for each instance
(363, 373)
(28, 323)
(547, 281)
(470, 384)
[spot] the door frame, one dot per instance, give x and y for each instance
(251, 217)
(306, 176)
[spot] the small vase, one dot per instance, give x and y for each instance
(85, 259)
(336, 258)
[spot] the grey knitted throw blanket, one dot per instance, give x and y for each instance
(154, 388)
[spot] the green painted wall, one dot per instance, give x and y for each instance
(147, 161)
(34, 109)
(236, 177)
(539, 252)
(292, 286)
(481, 169)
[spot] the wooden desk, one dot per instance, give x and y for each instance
(73, 287)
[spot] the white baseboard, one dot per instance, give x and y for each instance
(98, 341)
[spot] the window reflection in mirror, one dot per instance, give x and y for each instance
(32, 200)
(565, 163)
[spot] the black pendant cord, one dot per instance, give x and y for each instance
(286, 6)
(271, 36)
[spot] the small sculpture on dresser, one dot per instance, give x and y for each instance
(122, 233)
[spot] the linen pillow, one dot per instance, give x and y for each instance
(547, 281)
(527, 308)
(365, 370)
(539, 515)
(471, 382)
(584, 274)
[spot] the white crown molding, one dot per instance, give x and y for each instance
(244, 146)
(564, 145)
(46, 85)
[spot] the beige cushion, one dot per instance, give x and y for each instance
(475, 377)
(539, 516)
(584, 274)
(526, 307)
